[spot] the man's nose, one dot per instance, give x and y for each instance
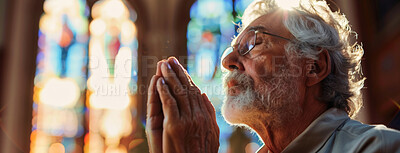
(232, 61)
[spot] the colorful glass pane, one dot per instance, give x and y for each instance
(240, 6)
(112, 65)
(60, 77)
(210, 31)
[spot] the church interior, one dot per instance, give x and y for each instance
(75, 73)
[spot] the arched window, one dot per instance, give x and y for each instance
(240, 6)
(60, 81)
(86, 76)
(211, 29)
(112, 64)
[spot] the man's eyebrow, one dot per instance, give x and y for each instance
(258, 28)
(254, 28)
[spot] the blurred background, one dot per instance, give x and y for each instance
(74, 73)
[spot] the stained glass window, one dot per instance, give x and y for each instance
(240, 6)
(60, 79)
(84, 90)
(112, 64)
(210, 30)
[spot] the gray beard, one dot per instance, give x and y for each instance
(274, 102)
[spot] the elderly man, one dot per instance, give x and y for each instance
(293, 77)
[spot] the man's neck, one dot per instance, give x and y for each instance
(277, 137)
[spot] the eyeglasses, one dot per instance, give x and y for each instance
(247, 43)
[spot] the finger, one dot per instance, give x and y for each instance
(186, 81)
(153, 100)
(202, 105)
(196, 101)
(211, 110)
(154, 140)
(169, 105)
(178, 91)
(158, 71)
(184, 71)
(154, 120)
(209, 105)
(182, 74)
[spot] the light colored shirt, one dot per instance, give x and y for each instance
(333, 131)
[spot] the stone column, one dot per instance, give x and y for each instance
(22, 22)
(162, 26)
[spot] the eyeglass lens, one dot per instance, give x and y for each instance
(247, 43)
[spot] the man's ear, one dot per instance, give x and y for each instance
(318, 69)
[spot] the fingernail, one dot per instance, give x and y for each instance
(162, 81)
(169, 66)
(175, 60)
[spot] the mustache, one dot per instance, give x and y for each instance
(243, 81)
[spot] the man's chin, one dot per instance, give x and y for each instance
(233, 91)
(232, 113)
(229, 113)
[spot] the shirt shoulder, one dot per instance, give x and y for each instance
(358, 137)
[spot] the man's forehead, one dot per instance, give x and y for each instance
(271, 22)
(259, 27)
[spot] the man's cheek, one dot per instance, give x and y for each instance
(262, 67)
(260, 87)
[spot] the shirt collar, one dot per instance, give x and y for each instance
(315, 135)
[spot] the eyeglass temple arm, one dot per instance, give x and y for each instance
(276, 36)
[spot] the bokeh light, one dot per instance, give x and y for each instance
(112, 63)
(63, 93)
(57, 148)
(65, 111)
(210, 31)
(58, 108)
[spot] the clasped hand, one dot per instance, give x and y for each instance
(179, 118)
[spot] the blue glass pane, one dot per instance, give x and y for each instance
(210, 31)
(54, 57)
(76, 61)
(240, 6)
(60, 75)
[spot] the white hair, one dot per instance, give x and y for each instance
(315, 28)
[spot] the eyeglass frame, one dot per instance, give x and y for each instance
(255, 38)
